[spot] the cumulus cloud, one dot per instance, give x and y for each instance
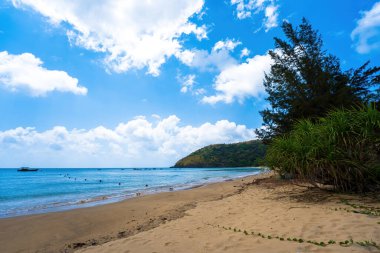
(24, 72)
(235, 81)
(137, 142)
(217, 59)
(366, 35)
(240, 81)
(207, 61)
(226, 45)
(132, 34)
(245, 9)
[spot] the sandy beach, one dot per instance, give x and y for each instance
(254, 214)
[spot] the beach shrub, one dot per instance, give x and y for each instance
(341, 150)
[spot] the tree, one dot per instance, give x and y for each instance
(307, 82)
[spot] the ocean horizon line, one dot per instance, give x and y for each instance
(59, 189)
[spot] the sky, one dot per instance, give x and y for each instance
(143, 83)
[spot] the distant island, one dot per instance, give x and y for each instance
(242, 154)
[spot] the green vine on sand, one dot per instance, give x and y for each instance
(369, 210)
(346, 243)
(359, 209)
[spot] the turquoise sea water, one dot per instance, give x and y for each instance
(48, 190)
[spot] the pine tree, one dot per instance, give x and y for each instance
(307, 82)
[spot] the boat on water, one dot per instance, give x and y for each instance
(26, 169)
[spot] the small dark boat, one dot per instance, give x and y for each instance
(26, 169)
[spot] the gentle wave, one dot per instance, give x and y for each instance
(50, 190)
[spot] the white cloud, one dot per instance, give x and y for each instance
(218, 59)
(200, 91)
(227, 44)
(24, 72)
(245, 9)
(235, 81)
(187, 82)
(271, 14)
(244, 52)
(138, 142)
(366, 35)
(132, 34)
(205, 61)
(240, 81)
(156, 116)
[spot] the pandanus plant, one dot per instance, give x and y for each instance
(341, 150)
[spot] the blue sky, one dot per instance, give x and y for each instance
(142, 83)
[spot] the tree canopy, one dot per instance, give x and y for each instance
(307, 82)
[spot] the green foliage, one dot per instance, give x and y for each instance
(346, 243)
(241, 154)
(359, 209)
(368, 244)
(306, 82)
(342, 150)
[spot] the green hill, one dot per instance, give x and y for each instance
(242, 154)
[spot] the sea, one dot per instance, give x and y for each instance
(59, 189)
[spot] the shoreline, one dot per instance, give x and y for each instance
(64, 231)
(252, 214)
(93, 200)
